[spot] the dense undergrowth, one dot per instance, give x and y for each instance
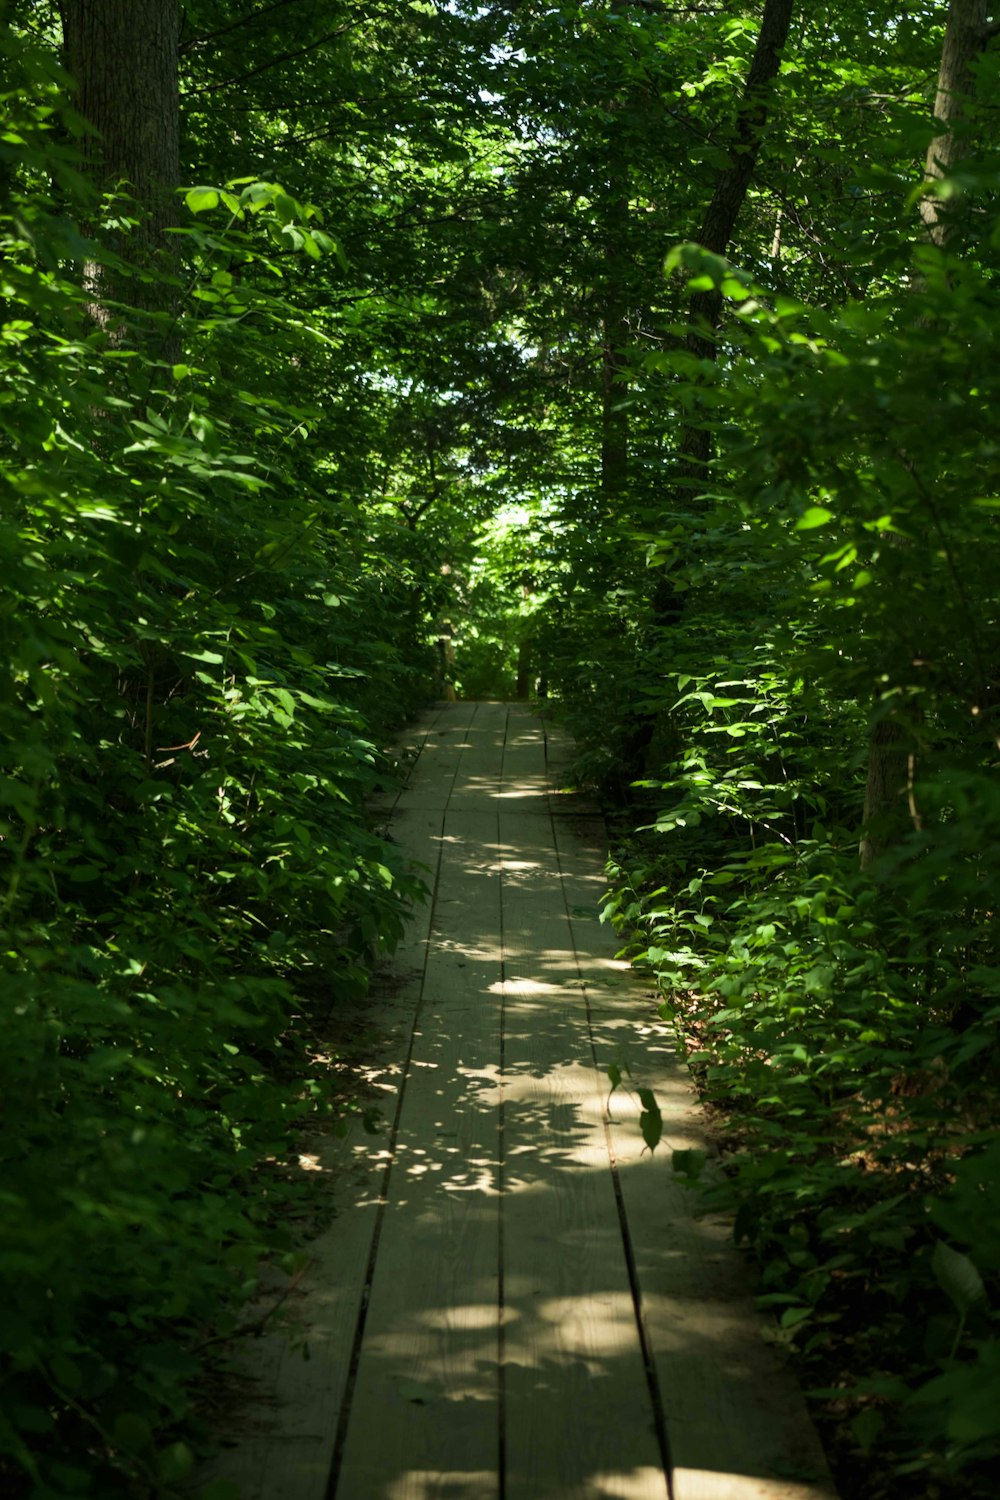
(832, 610)
(843, 1022)
(854, 1112)
(201, 663)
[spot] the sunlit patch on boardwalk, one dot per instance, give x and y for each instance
(430, 1486)
(515, 1301)
(711, 1484)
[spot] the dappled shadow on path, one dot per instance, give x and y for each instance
(503, 1317)
(538, 1314)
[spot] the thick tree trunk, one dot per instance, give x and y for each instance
(122, 58)
(966, 34)
(122, 55)
(890, 766)
(885, 816)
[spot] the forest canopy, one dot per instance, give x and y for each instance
(635, 355)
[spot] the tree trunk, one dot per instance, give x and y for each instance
(965, 37)
(122, 55)
(890, 768)
(885, 818)
(614, 306)
(614, 419)
(731, 188)
(734, 181)
(122, 58)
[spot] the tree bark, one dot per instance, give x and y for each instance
(122, 55)
(734, 181)
(614, 306)
(885, 818)
(122, 59)
(965, 37)
(731, 188)
(614, 420)
(890, 760)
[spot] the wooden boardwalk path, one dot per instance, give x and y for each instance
(516, 1302)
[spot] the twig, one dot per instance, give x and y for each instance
(210, 88)
(911, 777)
(257, 1325)
(253, 15)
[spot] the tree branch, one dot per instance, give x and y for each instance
(253, 15)
(211, 88)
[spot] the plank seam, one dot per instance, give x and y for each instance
(344, 1417)
(645, 1340)
(501, 1175)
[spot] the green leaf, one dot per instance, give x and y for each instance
(688, 1163)
(132, 1432)
(175, 1463)
(866, 1427)
(200, 199)
(66, 1374)
(815, 516)
(957, 1275)
(793, 1316)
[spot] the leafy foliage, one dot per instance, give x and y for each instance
(200, 649)
(844, 1022)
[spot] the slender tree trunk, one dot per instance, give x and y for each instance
(731, 188)
(885, 818)
(734, 181)
(122, 58)
(614, 419)
(614, 306)
(890, 756)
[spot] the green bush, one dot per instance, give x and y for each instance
(193, 640)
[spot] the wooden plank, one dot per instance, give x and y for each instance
(578, 1411)
(477, 780)
(299, 1366)
(525, 788)
(297, 1371)
(579, 1415)
(737, 1424)
(425, 1412)
(440, 754)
